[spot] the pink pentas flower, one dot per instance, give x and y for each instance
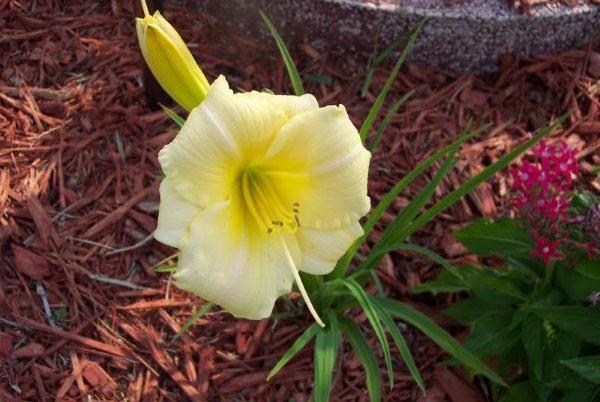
(542, 192)
(546, 250)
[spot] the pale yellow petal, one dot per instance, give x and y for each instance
(321, 249)
(174, 216)
(290, 105)
(223, 135)
(228, 262)
(318, 161)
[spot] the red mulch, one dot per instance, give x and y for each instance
(82, 311)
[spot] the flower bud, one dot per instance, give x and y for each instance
(170, 60)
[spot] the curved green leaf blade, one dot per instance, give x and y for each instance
(365, 355)
(387, 120)
(326, 349)
(376, 254)
(445, 282)
(370, 310)
(201, 312)
(287, 58)
(439, 336)
(473, 182)
(374, 112)
(180, 121)
(400, 343)
(415, 205)
(296, 347)
(387, 200)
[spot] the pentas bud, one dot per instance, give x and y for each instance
(170, 60)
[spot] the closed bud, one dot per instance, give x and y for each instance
(170, 60)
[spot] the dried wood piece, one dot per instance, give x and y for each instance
(29, 263)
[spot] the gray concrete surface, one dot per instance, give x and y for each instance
(469, 36)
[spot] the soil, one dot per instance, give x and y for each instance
(83, 311)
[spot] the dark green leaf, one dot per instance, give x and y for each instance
(588, 367)
(326, 349)
(445, 282)
(571, 380)
(440, 337)
(493, 333)
(503, 237)
(521, 392)
(365, 355)
(533, 337)
(468, 310)
(581, 322)
(580, 282)
(297, 346)
(560, 345)
(584, 395)
(488, 282)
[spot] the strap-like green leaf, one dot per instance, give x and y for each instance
(165, 268)
(296, 347)
(363, 299)
(389, 197)
(374, 112)
(174, 116)
(365, 355)
(287, 58)
(415, 205)
(440, 337)
(400, 343)
(375, 255)
(467, 187)
(388, 120)
(444, 282)
(201, 312)
(326, 348)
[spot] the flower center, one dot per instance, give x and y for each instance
(265, 204)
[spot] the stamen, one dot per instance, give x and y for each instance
(249, 201)
(300, 285)
(265, 205)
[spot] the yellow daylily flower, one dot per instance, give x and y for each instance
(257, 188)
(170, 60)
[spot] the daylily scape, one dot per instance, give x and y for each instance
(257, 186)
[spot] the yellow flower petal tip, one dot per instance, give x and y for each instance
(259, 187)
(170, 60)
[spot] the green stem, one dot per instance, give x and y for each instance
(549, 273)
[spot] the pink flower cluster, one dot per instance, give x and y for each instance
(543, 189)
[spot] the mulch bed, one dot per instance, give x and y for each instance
(82, 311)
